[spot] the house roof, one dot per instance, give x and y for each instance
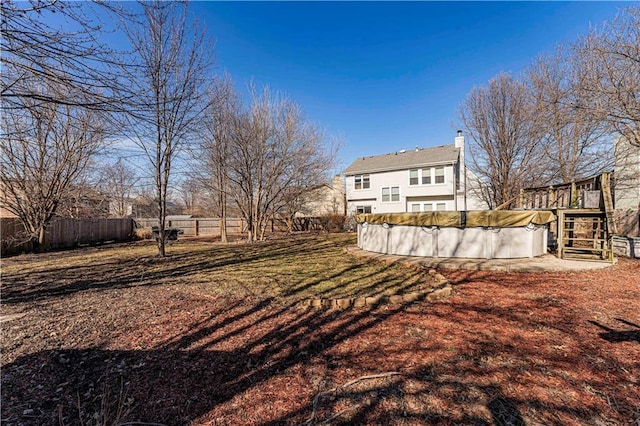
(401, 160)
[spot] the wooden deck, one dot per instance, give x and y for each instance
(584, 211)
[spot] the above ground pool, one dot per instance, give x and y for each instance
(482, 234)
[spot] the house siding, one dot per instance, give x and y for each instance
(408, 193)
(449, 195)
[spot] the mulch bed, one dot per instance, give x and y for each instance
(505, 348)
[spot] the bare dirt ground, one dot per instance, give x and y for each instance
(96, 337)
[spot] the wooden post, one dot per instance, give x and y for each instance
(573, 195)
(521, 199)
(560, 237)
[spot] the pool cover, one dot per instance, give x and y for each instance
(468, 219)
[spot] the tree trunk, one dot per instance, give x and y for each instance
(223, 228)
(38, 242)
(161, 239)
(161, 221)
(223, 217)
(263, 229)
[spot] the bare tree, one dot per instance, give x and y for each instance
(118, 181)
(609, 57)
(217, 141)
(56, 94)
(324, 201)
(277, 155)
(573, 137)
(294, 204)
(45, 149)
(165, 81)
(191, 193)
(504, 150)
(84, 200)
(74, 57)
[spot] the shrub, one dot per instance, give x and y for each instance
(333, 222)
(142, 234)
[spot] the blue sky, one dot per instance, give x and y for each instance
(385, 76)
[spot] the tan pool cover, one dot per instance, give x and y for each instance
(474, 218)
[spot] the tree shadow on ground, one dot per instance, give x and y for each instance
(612, 335)
(58, 280)
(176, 387)
(505, 412)
(224, 375)
(171, 384)
(263, 363)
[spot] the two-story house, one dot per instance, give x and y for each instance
(424, 179)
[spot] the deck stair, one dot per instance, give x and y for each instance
(585, 223)
(583, 234)
(607, 202)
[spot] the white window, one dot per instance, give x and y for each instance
(413, 176)
(390, 194)
(386, 195)
(362, 182)
(426, 176)
(420, 176)
(363, 209)
(417, 207)
(427, 207)
(395, 193)
(439, 174)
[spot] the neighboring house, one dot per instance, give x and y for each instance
(6, 213)
(424, 179)
(626, 188)
(142, 206)
(80, 201)
(3, 202)
(627, 175)
(324, 200)
(121, 206)
(83, 202)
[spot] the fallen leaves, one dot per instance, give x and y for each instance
(504, 347)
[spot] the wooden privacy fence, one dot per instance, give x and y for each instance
(210, 227)
(66, 233)
(198, 227)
